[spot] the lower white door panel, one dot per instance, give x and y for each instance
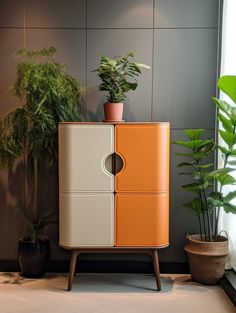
(86, 220)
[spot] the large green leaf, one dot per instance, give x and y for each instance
(228, 85)
(215, 199)
(223, 149)
(229, 138)
(184, 164)
(193, 187)
(206, 148)
(208, 165)
(194, 144)
(220, 172)
(230, 196)
(233, 152)
(226, 179)
(141, 65)
(196, 175)
(183, 154)
(229, 208)
(226, 123)
(194, 134)
(223, 106)
(186, 144)
(196, 206)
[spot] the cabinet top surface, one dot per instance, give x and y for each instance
(116, 123)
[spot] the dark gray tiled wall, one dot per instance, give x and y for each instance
(120, 14)
(177, 38)
(12, 13)
(55, 14)
(186, 13)
(11, 39)
(184, 71)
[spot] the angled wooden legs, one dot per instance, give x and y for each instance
(73, 259)
(156, 268)
(76, 252)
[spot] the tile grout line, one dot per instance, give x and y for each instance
(86, 60)
(104, 28)
(152, 89)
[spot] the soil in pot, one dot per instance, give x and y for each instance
(33, 256)
(206, 259)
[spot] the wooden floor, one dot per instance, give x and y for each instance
(110, 293)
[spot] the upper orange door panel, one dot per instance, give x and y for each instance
(144, 149)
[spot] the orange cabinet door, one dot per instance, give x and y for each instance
(144, 149)
(142, 220)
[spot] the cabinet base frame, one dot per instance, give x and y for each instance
(76, 252)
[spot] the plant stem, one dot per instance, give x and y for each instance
(206, 203)
(204, 222)
(218, 208)
(35, 201)
(208, 216)
(199, 219)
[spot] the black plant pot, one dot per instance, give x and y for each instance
(33, 257)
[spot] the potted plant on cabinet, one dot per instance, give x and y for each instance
(118, 76)
(49, 95)
(207, 250)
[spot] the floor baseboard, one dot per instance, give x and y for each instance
(111, 266)
(228, 283)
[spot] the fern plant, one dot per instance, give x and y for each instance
(49, 96)
(207, 202)
(119, 76)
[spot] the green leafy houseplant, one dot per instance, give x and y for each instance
(116, 75)
(49, 96)
(207, 251)
(207, 201)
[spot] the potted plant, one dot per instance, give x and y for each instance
(49, 95)
(207, 250)
(118, 76)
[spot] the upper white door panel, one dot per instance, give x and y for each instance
(83, 150)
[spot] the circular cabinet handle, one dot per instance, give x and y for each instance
(114, 163)
(119, 163)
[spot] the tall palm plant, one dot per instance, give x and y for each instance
(49, 96)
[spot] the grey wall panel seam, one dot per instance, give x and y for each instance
(185, 27)
(64, 28)
(218, 69)
(86, 60)
(179, 128)
(153, 47)
(104, 28)
(97, 28)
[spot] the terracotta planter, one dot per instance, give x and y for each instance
(206, 259)
(113, 111)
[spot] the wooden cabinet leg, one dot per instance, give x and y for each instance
(73, 259)
(156, 268)
(76, 266)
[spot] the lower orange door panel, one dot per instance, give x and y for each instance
(142, 220)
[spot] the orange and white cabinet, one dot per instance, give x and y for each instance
(100, 207)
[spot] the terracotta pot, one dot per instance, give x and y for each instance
(206, 259)
(113, 111)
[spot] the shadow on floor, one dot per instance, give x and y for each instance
(93, 282)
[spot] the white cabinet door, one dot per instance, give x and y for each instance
(87, 220)
(83, 150)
